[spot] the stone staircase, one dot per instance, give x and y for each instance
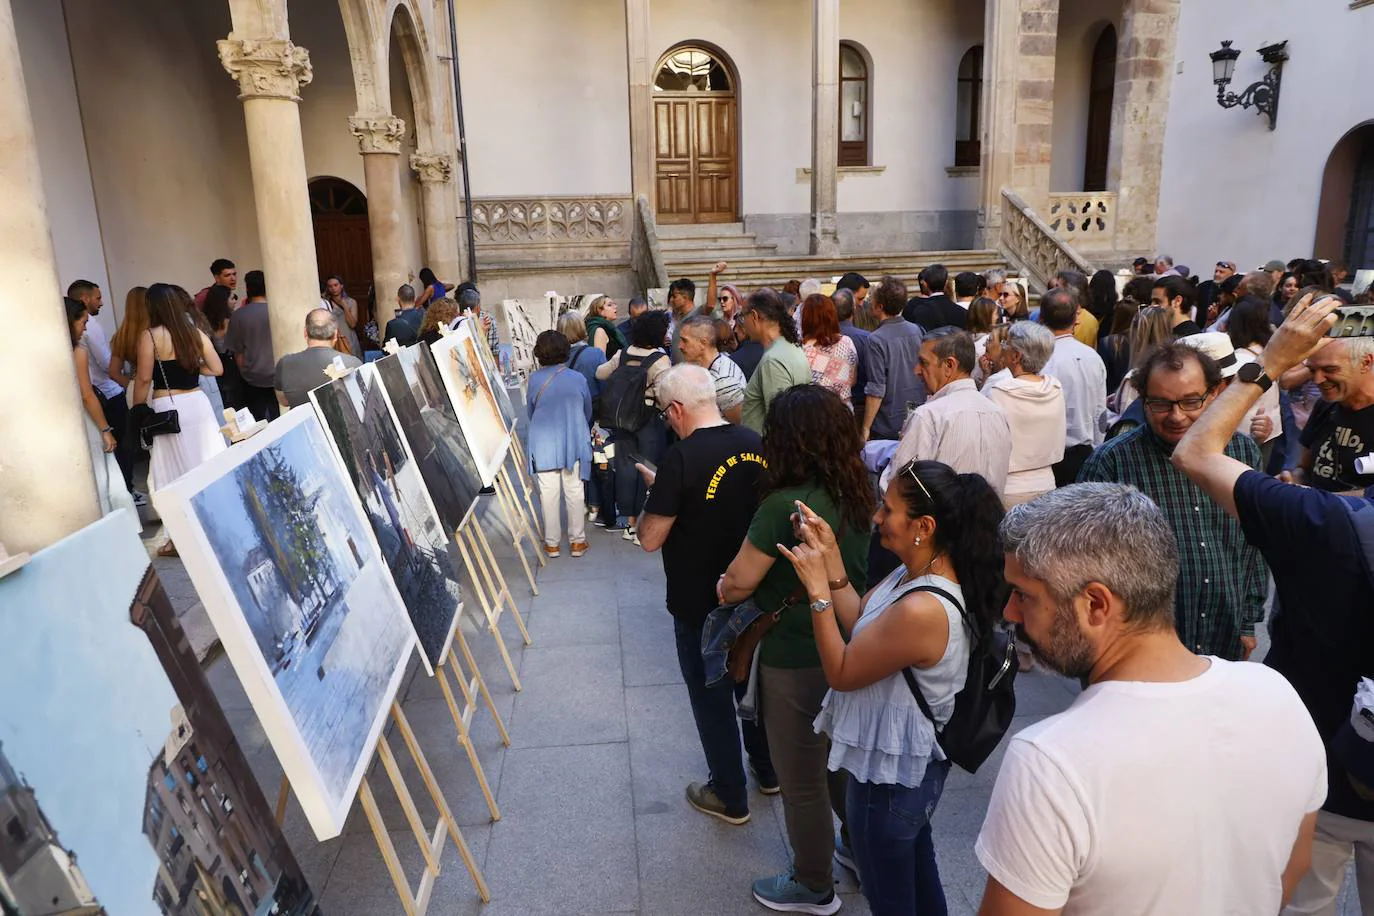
(750, 273)
(695, 243)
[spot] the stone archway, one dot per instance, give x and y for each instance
(1345, 211)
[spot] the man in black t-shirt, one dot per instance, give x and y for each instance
(1341, 428)
(701, 500)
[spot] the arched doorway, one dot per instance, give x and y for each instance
(343, 243)
(696, 148)
(1345, 215)
(1101, 90)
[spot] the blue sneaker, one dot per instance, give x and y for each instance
(786, 895)
(845, 857)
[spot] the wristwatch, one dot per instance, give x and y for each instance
(1254, 373)
(820, 606)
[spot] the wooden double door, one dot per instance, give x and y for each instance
(696, 157)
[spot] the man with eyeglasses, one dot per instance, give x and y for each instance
(1222, 579)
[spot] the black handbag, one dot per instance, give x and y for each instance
(153, 423)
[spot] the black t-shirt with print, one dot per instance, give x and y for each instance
(1337, 435)
(710, 483)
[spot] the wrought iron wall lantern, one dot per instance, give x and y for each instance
(1262, 96)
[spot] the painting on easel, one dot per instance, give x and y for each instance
(492, 372)
(431, 429)
(386, 476)
(122, 786)
(474, 399)
(298, 590)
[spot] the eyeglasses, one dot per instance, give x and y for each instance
(663, 414)
(911, 469)
(722, 298)
(1162, 406)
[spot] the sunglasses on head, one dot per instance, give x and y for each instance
(911, 469)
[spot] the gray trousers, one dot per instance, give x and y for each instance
(790, 700)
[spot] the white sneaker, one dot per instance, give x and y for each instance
(629, 535)
(140, 498)
(592, 514)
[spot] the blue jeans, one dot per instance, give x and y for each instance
(713, 708)
(889, 829)
(629, 484)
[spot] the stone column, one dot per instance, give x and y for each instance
(825, 126)
(379, 141)
(1144, 73)
(271, 73)
(641, 100)
(1018, 106)
(441, 227)
(47, 489)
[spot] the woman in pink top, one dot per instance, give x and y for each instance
(833, 359)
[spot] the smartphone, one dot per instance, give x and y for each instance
(1353, 321)
(637, 458)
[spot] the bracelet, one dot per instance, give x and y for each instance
(108, 429)
(837, 584)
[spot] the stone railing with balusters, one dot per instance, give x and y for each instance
(1087, 220)
(1033, 246)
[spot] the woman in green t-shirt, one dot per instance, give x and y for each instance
(811, 447)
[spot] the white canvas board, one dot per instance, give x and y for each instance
(362, 427)
(301, 599)
(517, 331)
(474, 400)
(493, 373)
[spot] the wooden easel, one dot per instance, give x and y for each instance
(431, 843)
(493, 594)
(469, 685)
(518, 524)
(522, 470)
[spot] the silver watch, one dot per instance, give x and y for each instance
(821, 605)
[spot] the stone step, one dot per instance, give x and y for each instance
(726, 251)
(697, 230)
(753, 273)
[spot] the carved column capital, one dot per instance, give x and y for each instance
(433, 167)
(378, 133)
(271, 68)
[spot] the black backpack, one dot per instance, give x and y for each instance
(984, 708)
(622, 395)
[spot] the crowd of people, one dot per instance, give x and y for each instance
(873, 484)
(1109, 472)
(156, 390)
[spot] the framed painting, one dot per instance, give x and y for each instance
(122, 786)
(474, 400)
(298, 589)
(518, 331)
(426, 418)
(383, 472)
(492, 371)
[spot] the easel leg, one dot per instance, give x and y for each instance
(282, 795)
(412, 813)
(408, 735)
(491, 607)
(482, 687)
(388, 849)
(484, 548)
(464, 735)
(502, 484)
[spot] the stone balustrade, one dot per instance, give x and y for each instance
(1086, 219)
(524, 221)
(1033, 246)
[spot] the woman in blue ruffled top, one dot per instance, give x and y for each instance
(943, 527)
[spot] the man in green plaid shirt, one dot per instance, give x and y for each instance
(1222, 582)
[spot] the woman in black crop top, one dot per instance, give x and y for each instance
(172, 355)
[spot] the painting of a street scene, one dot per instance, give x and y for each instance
(517, 331)
(495, 381)
(431, 429)
(122, 788)
(301, 598)
(474, 400)
(387, 478)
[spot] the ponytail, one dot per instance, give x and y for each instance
(967, 514)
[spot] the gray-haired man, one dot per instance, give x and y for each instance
(298, 373)
(1154, 794)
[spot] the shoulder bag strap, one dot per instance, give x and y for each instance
(906, 672)
(158, 360)
(546, 384)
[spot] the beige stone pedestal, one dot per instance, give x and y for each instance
(825, 126)
(47, 489)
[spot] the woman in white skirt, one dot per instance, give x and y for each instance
(172, 356)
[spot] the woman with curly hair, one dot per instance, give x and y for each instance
(947, 593)
(811, 446)
(440, 314)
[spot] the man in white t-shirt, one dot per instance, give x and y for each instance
(1175, 784)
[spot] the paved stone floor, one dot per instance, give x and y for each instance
(591, 789)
